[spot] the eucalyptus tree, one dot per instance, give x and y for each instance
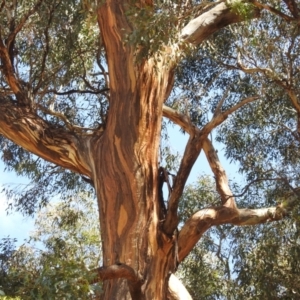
(85, 86)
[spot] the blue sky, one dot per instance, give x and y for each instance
(13, 224)
(17, 226)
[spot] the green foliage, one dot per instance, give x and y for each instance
(197, 196)
(243, 8)
(55, 262)
(202, 274)
(149, 36)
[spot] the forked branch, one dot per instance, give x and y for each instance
(180, 119)
(198, 139)
(219, 117)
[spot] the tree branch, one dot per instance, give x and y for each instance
(220, 175)
(180, 119)
(202, 220)
(197, 225)
(119, 271)
(22, 22)
(265, 71)
(220, 117)
(8, 72)
(177, 290)
(54, 144)
(69, 125)
(218, 109)
(78, 92)
(273, 10)
(191, 153)
(184, 122)
(200, 28)
(46, 48)
(293, 8)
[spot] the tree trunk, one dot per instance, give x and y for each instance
(125, 174)
(125, 170)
